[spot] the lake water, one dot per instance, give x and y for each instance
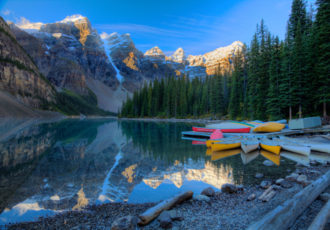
(66, 165)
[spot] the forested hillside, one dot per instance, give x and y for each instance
(271, 79)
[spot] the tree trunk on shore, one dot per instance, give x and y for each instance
(290, 113)
(153, 212)
(284, 215)
(300, 111)
(321, 219)
(324, 109)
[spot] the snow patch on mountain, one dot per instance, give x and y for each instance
(73, 18)
(107, 48)
(28, 26)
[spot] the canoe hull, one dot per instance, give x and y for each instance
(247, 148)
(206, 130)
(303, 150)
(225, 146)
(271, 148)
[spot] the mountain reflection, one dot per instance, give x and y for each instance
(66, 165)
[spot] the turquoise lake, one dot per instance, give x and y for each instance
(50, 167)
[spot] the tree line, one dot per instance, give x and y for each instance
(269, 80)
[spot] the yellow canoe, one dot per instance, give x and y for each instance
(219, 146)
(209, 143)
(271, 148)
(271, 156)
(223, 154)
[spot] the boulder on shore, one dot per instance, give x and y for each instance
(209, 191)
(229, 188)
(125, 223)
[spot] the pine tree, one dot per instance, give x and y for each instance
(273, 97)
(322, 49)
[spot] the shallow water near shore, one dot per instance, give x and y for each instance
(50, 167)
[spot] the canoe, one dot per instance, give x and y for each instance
(210, 142)
(296, 148)
(204, 130)
(315, 146)
(225, 145)
(301, 159)
(209, 130)
(225, 153)
(269, 127)
(249, 146)
(271, 156)
(273, 148)
(247, 158)
(319, 157)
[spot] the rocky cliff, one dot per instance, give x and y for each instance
(19, 75)
(72, 55)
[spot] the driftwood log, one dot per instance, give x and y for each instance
(321, 219)
(153, 212)
(268, 194)
(284, 215)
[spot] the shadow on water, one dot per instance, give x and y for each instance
(49, 167)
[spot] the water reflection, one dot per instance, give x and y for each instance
(66, 165)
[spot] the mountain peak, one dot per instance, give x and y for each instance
(155, 51)
(74, 19)
(178, 56)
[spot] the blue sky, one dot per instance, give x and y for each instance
(196, 26)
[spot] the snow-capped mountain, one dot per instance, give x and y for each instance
(71, 54)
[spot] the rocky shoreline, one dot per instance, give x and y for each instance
(234, 208)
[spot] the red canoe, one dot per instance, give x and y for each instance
(206, 130)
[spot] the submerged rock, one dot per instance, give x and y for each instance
(208, 192)
(268, 163)
(125, 223)
(259, 175)
(228, 188)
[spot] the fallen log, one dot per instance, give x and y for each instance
(321, 219)
(265, 193)
(150, 214)
(284, 215)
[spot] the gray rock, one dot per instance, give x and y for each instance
(292, 177)
(240, 187)
(268, 163)
(251, 197)
(325, 196)
(165, 220)
(208, 192)
(228, 188)
(125, 223)
(277, 187)
(301, 179)
(265, 184)
(259, 175)
(286, 184)
(174, 214)
(202, 198)
(279, 181)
